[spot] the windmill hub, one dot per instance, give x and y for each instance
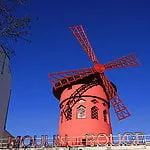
(99, 68)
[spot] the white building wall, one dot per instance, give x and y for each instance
(5, 88)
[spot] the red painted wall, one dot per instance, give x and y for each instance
(82, 126)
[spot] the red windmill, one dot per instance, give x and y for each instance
(85, 95)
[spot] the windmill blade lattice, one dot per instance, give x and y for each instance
(110, 90)
(60, 79)
(80, 35)
(123, 62)
(119, 108)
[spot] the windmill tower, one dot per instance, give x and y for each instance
(5, 90)
(85, 95)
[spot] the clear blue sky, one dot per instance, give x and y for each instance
(114, 27)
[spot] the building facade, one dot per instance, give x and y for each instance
(5, 90)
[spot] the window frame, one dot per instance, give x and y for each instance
(78, 112)
(94, 112)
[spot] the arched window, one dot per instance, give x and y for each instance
(81, 112)
(81, 100)
(105, 116)
(94, 112)
(94, 101)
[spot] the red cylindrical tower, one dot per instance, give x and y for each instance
(84, 108)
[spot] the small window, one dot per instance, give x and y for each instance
(105, 116)
(94, 101)
(81, 101)
(104, 104)
(94, 112)
(81, 112)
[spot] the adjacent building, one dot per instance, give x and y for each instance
(5, 90)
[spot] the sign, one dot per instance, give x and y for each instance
(128, 138)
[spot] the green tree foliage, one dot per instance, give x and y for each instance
(13, 27)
